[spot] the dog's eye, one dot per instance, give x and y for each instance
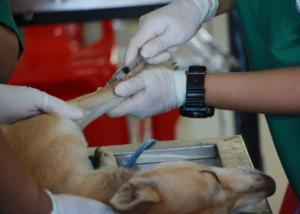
(212, 173)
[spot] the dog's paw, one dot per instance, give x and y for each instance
(103, 157)
(96, 159)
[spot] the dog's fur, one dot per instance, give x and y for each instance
(54, 150)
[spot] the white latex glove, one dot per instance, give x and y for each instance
(162, 31)
(71, 204)
(20, 102)
(153, 91)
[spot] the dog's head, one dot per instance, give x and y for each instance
(185, 187)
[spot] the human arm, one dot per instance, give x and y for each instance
(20, 102)
(225, 6)
(9, 51)
(275, 91)
(20, 193)
(17, 102)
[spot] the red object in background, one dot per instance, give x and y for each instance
(164, 125)
(57, 62)
(290, 204)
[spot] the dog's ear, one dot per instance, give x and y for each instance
(138, 193)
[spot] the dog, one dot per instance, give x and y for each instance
(54, 150)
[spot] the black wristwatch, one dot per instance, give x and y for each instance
(195, 106)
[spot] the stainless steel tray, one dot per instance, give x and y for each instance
(204, 155)
(219, 152)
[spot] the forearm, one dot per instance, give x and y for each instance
(19, 192)
(9, 49)
(274, 91)
(225, 6)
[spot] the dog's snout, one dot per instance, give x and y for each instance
(264, 182)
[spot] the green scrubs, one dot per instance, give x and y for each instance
(272, 34)
(7, 19)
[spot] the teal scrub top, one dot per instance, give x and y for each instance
(6, 18)
(271, 30)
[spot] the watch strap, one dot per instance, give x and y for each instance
(195, 100)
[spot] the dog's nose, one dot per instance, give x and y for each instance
(270, 185)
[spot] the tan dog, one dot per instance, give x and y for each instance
(54, 150)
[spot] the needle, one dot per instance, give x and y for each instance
(121, 72)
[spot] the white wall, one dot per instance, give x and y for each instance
(272, 165)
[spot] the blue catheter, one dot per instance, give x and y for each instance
(146, 145)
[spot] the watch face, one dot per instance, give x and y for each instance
(197, 69)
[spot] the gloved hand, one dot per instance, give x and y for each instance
(71, 204)
(20, 102)
(162, 31)
(153, 91)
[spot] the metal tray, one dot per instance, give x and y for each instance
(204, 155)
(218, 152)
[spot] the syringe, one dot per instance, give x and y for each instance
(121, 72)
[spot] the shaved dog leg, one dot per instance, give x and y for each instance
(104, 99)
